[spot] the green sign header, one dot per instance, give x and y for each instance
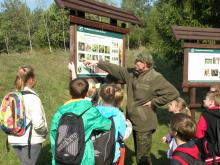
(99, 32)
(196, 50)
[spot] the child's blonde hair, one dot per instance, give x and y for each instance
(215, 88)
(23, 75)
(92, 88)
(182, 106)
(119, 96)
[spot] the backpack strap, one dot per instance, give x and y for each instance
(29, 125)
(69, 113)
(183, 156)
(29, 138)
(28, 92)
(84, 112)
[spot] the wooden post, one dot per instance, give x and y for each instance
(192, 97)
(73, 45)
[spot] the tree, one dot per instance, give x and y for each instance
(13, 27)
(138, 36)
(28, 17)
(42, 4)
(166, 13)
(58, 26)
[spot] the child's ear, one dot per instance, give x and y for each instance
(212, 103)
(174, 133)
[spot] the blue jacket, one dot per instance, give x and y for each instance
(107, 112)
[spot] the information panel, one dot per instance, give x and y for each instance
(203, 65)
(94, 44)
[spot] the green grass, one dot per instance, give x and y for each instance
(52, 86)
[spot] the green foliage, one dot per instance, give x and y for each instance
(16, 18)
(13, 27)
(138, 35)
(165, 13)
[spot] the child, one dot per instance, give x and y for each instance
(176, 106)
(183, 129)
(208, 128)
(108, 109)
(92, 119)
(119, 96)
(25, 81)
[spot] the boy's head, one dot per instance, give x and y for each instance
(212, 99)
(78, 88)
(179, 106)
(182, 127)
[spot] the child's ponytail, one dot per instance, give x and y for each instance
(23, 75)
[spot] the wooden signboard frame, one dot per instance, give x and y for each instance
(78, 9)
(192, 37)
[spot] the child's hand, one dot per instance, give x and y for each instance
(164, 139)
(128, 123)
(89, 63)
(71, 66)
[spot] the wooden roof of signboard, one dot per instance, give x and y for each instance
(100, 9)
(196, 33)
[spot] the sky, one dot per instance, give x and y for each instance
(34, 3)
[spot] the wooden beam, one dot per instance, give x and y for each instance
(197, 37)
(196, 33)
(97, 25)
(193, 45)
(101, 9)
(195, 29)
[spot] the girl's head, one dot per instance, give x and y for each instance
(25, 77)
(179, 106)
(92, 88)
(183, 127)
(212, 99)
(107, 94)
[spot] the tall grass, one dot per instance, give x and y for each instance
(52, 86)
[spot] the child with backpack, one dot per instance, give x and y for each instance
(183, 129)
(176, 106)
(208, 130)
(110, 99)
(72, 125)
(29, 145)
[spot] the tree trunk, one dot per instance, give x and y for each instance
(128, 42)
(6, 44)
(47, 32)
(29, 29)
(29, 36)
(139, 39)
(64, 39)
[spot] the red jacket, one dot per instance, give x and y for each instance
(188, 148)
